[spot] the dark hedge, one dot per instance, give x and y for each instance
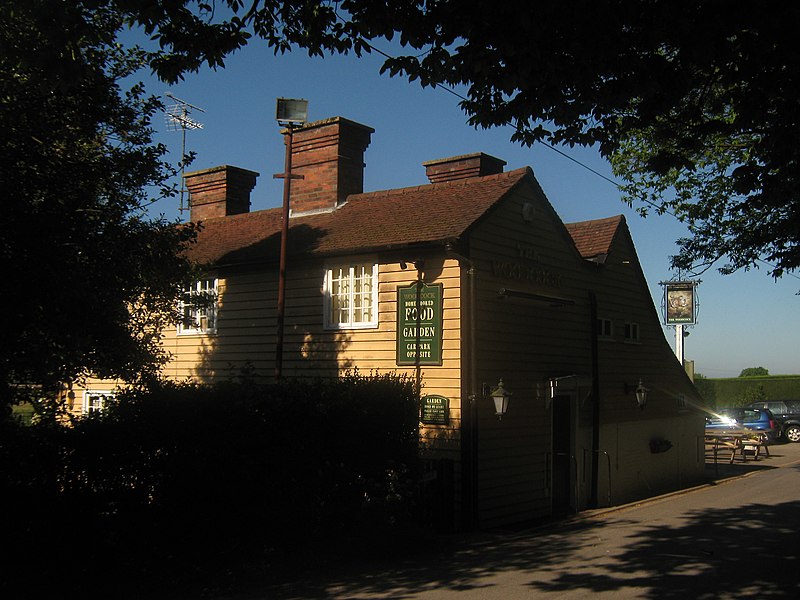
(739, 391)
(186, 478)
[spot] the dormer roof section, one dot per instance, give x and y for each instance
(594, 238)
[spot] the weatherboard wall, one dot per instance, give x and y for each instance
(522, 246)
(527, 341)
(245, 340)
(674, 410)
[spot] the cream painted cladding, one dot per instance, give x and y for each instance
(246, 333)
(539, 458)
(632, 471)
(524, 249)
(245, 336)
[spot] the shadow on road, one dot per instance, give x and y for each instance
(747, 551)
(750, 551)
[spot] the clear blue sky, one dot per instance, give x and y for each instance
(745, 320)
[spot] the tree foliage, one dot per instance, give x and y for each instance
(754, 372)
(695, 96)
(694, 99)
(89, 280)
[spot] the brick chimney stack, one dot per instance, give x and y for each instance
(219, 191)
(462, 167)
(329, 154)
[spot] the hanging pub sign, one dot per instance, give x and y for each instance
(419, 324)
(435, 410)
(679, 301)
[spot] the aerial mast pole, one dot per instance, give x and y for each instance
(178, 116)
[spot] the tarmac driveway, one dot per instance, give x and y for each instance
(733, 538)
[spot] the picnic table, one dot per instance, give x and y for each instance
(739, 442)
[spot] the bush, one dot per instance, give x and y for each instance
(728, 392)
(186, 477)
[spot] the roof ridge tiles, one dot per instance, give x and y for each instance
(603, 220)
(454, 207)
(458, 183)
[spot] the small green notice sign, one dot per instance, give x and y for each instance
(435, 410)
(419, 324)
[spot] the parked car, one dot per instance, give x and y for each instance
(755, 419)
(787, 413)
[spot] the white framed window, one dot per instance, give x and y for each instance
(631, 332)
(95, 401)
(605, 329)
(351, 296)
(198, 308)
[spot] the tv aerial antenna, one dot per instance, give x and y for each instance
(179, 117)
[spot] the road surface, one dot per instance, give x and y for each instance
(735, 538)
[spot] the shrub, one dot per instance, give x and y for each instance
(185, 476)
(729, 392)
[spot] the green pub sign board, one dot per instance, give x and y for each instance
(419, 324)
(435, 410)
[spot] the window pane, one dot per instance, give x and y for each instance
(95, 401)
(351, 295)
(339, 296)
(211, 316)
(362, 298)
(605, 327)
(199, 307)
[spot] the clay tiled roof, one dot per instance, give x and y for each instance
(594, 238)
(366, 222)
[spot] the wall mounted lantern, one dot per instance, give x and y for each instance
(500, 396)
(640, 391)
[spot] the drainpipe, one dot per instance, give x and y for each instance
(469, 418)
(595, 402)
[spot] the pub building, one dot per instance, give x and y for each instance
(548, 385)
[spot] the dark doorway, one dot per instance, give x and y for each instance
(562, 454)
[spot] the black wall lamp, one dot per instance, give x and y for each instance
(640, 391)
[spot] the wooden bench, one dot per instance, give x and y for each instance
(736, 443)
(755, 444)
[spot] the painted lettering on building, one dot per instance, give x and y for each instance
(529, 273)
(435, 410)
(419, 324)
